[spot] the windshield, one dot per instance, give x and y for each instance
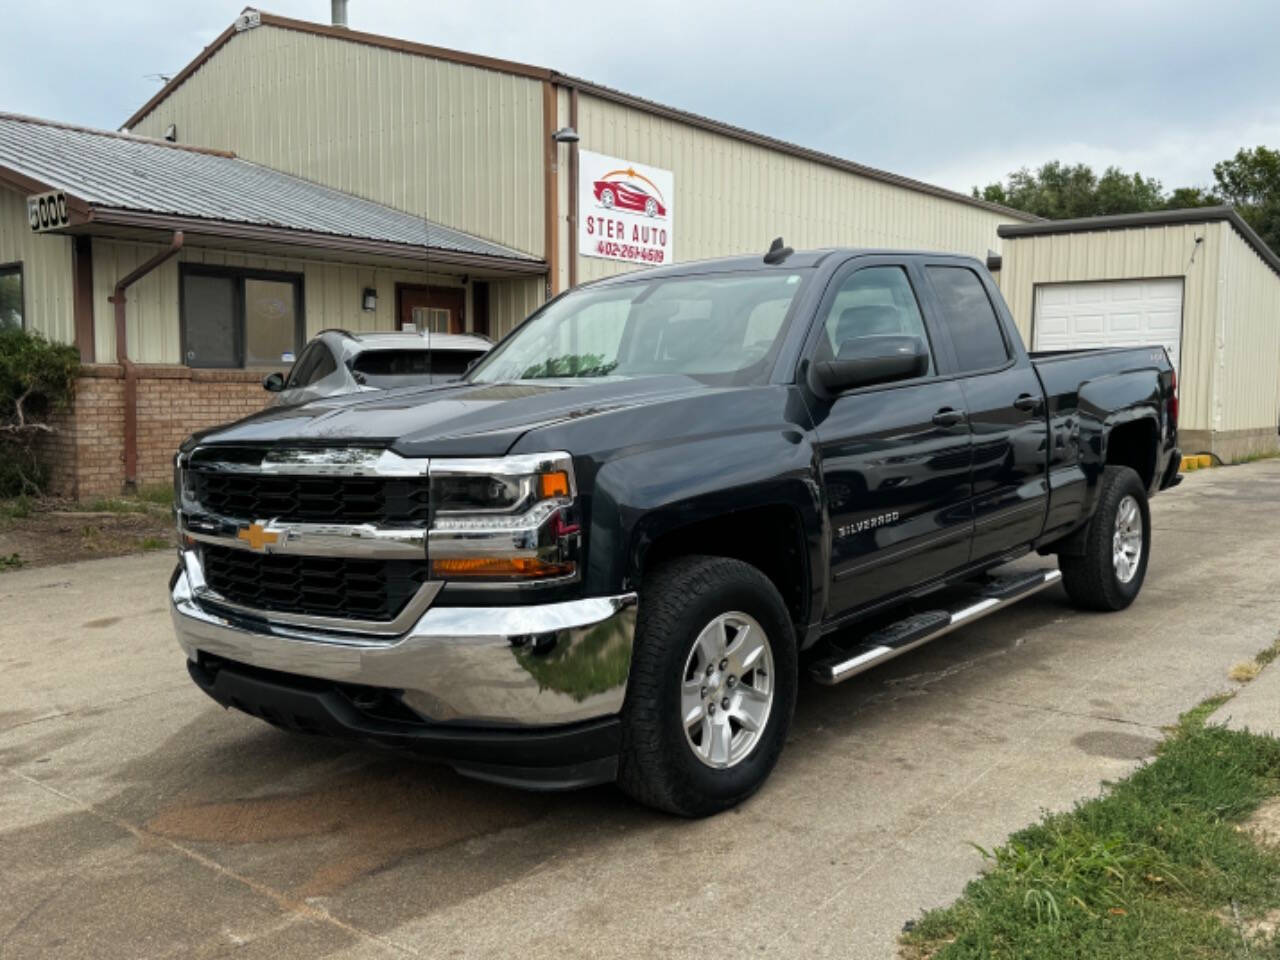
(724, 328)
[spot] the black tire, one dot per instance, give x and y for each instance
(657, 765)
(1090, 577)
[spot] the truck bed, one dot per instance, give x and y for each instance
(1063, 372)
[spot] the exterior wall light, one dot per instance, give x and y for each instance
(566, 135)
(369, 299)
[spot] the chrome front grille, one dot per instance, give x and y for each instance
(318, 537)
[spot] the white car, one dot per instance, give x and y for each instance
(337, 362)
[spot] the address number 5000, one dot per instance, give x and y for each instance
(47, 211)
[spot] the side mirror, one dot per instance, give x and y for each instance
(273, 382)
(865, 361)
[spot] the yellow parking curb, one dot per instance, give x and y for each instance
(1200, 461)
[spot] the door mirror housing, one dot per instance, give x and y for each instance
(273, 382)
(866, 361)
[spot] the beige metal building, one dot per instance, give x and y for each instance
(549, 180)
(466, 141)
(1199, 282)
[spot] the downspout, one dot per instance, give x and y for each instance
(122, 358)
(573, 190)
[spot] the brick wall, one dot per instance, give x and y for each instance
(85, 456)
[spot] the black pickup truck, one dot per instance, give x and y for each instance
(606, 553)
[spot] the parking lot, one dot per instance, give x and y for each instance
(138, 819)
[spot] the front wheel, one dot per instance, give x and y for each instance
(1109, 572)
(712, 686)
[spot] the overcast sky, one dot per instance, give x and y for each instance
(952, 93)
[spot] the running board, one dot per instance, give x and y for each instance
(909, 633)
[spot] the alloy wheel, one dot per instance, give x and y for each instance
(727, 690)
(1126, 541)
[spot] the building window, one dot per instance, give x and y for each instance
(11, 295)
(240, 318)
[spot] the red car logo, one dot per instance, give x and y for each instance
(626, 195)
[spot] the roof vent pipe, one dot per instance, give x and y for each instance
(339, 11)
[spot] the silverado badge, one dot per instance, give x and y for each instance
(881, 520)
(257, 536)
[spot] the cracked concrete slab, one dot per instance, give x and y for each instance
(138, 819)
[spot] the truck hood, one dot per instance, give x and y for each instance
(457, 419)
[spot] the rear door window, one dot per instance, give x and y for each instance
(970, 318)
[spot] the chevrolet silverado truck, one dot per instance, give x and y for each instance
(606, 553)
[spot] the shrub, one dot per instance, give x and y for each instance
(36, 378)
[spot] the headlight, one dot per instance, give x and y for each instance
(509, 519)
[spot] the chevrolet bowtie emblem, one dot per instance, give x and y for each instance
(257, 536)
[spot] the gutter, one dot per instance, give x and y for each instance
(332, 243)
(122, 358)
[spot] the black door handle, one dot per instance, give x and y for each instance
(947, 417)
(1027, 402)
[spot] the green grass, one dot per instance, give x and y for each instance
(111, 505)
(145, 500)
(1157, 867)
(149, 501)
(11, 562)
(160, 495)
(1266, 655)
(153, 543)
(15, 508)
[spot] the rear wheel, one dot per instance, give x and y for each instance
(712, 687)
(1109, 573)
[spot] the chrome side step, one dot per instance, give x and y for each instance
(910, 632)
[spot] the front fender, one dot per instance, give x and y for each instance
(642, 498)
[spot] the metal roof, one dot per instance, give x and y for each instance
(1155, 218)
(116, 171)
(252, 18)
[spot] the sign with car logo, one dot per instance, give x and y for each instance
(625, 210)
(47, 211)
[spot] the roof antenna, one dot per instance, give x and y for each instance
(777, 252)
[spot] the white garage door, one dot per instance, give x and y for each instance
(1114, 313)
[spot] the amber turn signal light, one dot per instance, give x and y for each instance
(555, 484)
(514, 567)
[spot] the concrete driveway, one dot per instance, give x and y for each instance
(137, 819)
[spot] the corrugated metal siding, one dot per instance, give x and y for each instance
(331, 295)
(1142, 253)
(47, 289)
(1248, 356)
(733, 197)
(454, 143)
(511, 301)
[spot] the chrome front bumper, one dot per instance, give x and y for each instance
(527, 666)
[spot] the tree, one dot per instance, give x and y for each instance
(1250, 181)
(1062, 191)
(1184, 198)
